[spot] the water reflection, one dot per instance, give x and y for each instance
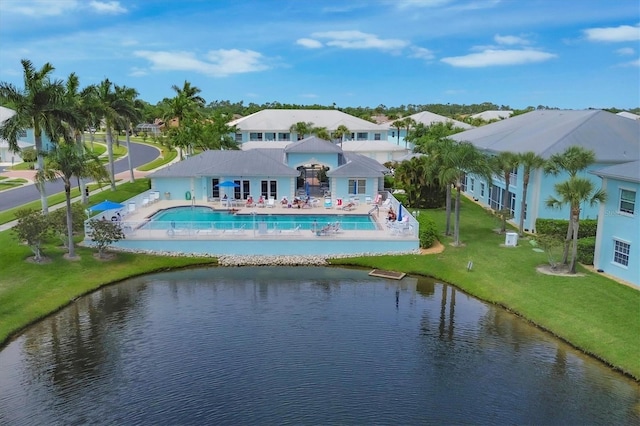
(298, 345)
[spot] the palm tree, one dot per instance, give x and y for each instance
(503, 164)
(112, 106)
(573, 160)
(301, 129)
(398, 125)
(38, 106)
(322, 133)
(573, 192)
(408, 123)
(133, 112)
(66, 161)
(529, 161)
(458, 160)
(341, 132)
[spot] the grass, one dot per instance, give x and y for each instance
(593, 313)
(10, 183)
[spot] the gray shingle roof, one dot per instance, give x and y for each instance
(255, 162)
(629, 172)
(547, 132)
(358, 166)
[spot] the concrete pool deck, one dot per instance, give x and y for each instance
(251, 241)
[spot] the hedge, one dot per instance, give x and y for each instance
(586, 248)
(558, 227)
(428, 231)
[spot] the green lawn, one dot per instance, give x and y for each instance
(593, 313)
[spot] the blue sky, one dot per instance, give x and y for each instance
(561, 53)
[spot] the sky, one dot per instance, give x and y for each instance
(569, 54)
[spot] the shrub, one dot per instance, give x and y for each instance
(402, 198)
(29, 155)
(558, 227)
(586, 248)
(428, 231)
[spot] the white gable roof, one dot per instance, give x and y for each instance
(281, 120)
(630, 115)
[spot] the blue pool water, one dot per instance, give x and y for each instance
(199, 217)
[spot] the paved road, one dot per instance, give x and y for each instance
(140, 154)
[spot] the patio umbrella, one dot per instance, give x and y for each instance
(400, 213)
(228, 184)
(106, 205)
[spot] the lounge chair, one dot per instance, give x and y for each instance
(349, 206)
(327, 203)
(386, 204)
(271, 202)
(295, 230)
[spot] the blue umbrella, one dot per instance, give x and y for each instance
(228, 183)
(400, 213)
(306, 188)
(106, 205)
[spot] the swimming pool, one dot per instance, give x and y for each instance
(200, 217)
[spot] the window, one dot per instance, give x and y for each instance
(627, 201)
(270, 136)
(269, 189)
(284, 136)
(362, 136)
(255, 137)
(357, 186)
(22, 133)
(215, 193)
(376, 136)
(482, 189)
(472, 184)
(238, 137)
(621, 252)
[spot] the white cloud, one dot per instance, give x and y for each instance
(614, 34)
(359, 40)
(217, 63)
(510, 40)
(35, 8)
(309, 43)
(138, 72)
(491, 57)
(635, 63)
(421, 53)
(107, 7)
(625, 51)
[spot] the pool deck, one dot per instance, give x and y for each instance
(385, 239)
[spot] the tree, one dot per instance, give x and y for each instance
(529, 161)
(573, 192)
(38, 106)
(104, 233)
(503, 164)
(408, 123)
(398, 125)
(66, 161)
(301, 129)
(32, 227)
(322, 133)
(458, 160)
(341, 132)
(572, 161)
(419, 179)
(58, 222)
(133, 113)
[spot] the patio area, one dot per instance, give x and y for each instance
(255, 239)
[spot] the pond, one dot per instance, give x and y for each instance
(303, 345)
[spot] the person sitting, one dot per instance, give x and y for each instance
(261, 201)
(391, 216)
(284, 201)
(250, 202)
